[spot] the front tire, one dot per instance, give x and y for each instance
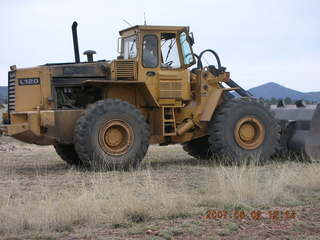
(241, 129)
(67, 154)
(112, 134)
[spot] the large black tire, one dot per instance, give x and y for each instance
(198, 148)
(111, 134)
(242, 129)
(67, 154)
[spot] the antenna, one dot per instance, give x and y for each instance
(144, 16)
(127, 22)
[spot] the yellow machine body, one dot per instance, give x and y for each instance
(45, 102)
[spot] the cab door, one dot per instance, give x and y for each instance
(173, 78)
(149, 62)
(163, 67)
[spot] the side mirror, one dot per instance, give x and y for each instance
(191, 38)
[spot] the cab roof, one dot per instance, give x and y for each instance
(154, 28)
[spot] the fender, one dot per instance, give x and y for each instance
(145, 93)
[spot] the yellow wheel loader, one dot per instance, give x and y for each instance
(104, 114)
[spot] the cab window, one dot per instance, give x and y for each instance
(150, 51)
(129, 47)
(169, 51)
(186, 49)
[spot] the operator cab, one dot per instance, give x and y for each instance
(165, 47)
(160, 57)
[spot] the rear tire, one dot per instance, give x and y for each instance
(198, 148)
(68, 154)
(111, 134)
(242, 129)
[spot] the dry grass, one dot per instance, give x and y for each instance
(253, 186)
(135, 199)
(46, 201)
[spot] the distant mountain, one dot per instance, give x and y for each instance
(314, 94)
(271, 89)
(3, 94)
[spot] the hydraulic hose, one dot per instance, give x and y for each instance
(199, 64)
(230, 83)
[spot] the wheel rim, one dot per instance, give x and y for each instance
(249, 133)
(116, 137)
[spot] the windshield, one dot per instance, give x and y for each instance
(169, 51)
(186, 49)
(129, 47)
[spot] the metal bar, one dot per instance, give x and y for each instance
(240, 91)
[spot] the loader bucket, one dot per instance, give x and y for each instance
(300, 128)
(313, 137)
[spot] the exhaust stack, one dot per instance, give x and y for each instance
(75, 42)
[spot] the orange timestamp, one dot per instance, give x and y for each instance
(255, 214)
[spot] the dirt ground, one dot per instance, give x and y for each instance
(27, 171)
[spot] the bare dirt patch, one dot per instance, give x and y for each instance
(167, 198)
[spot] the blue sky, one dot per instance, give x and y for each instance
(258, 41)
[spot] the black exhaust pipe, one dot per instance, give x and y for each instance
(75, 42)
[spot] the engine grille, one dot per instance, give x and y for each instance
(125, 69)
(11, 91)
(171, 89)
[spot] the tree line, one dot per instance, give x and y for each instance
(286, 100)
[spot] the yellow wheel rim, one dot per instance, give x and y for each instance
(116, 137)
(249, 133)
